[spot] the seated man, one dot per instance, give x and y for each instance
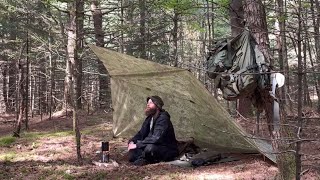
(156, 140)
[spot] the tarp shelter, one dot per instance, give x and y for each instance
(194, 111)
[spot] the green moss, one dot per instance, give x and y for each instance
(52, 174)
(5, 174)
(98, 130)
(7, 141)
(46, 174)
(68, 176)
(8, 156)
(38, 135)
(99, 175)
(61, 134)
(174, 176)
(24, 170)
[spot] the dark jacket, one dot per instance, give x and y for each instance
(162, 132)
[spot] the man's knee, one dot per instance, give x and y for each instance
(150, 149)
(134, 154)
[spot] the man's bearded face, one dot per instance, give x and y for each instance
(151, 108)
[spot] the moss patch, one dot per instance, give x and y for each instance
(38, 135)
(7, 141)
(8, 156)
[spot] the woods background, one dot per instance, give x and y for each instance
(47, 67)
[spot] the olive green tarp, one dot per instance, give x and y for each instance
(194, 111)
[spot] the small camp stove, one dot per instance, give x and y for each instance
(105, 152)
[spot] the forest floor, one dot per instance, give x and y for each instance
(47, 151)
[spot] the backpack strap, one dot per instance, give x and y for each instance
(228, 50)
(254, 66)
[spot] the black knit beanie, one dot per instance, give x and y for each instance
(156, 100)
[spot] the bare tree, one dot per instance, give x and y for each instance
(3, 104)
(71, 70)
(315, 9)
(142, 43)
(20, 90)
(282, 49)
(79, 44)
(300, 79)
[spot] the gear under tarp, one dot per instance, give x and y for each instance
(194, 111)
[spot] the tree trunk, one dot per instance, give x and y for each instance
(255, 17)
(204, 39)
(3, 104)
(313, 69)
(300, 79)
(122, 25)
(26, 97)
(99, 35)
(21, 92)
(52, 66)
(142, 43)
(71, 71)
(315, 9)
(11, 86)
(75, 119)
(79, 41)
(175, 37)
(237, 26)
(97, 23)
(209, 24)
(236, 17)
(5, 73)
(215, 89)
(306, 96)
(282, 49)
(42, 86)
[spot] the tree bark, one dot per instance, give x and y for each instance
(99, 35)
(236, 17)
(11, 86)
(52, 66)
(175, 37)
(237, 26)
(3, 104)
(71, 71)
(26, 97)
(306, 96)
(313, 68)
(282, 49)
(122, 25)
(315, 9)
(209, 23)
(97, 23)
(300, 79)
(21, 91)
(142, 43)
(255, 17)
(79, 42)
